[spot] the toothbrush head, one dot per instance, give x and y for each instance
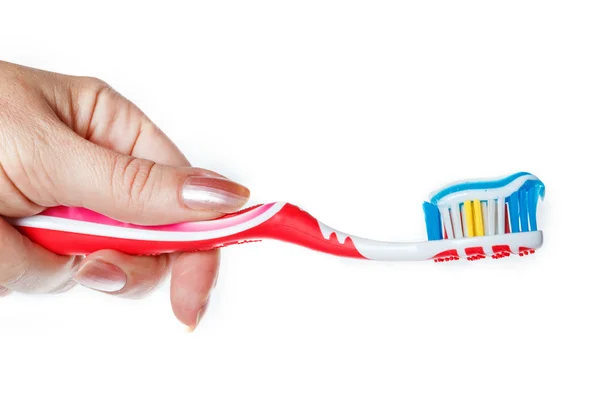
(486, 217)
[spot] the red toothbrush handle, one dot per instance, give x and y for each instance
(296, 226)
(72, 231)
(66, 241)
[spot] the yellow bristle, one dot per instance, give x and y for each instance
(469, 218)
(478, 218)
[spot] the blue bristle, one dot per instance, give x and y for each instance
(533, 193)
(523, 210)
(535, 190)
(433, 221)
(513, 207)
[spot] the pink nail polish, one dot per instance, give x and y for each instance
(214, 194)
(102, 276)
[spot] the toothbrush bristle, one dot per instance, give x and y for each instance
(477, 209)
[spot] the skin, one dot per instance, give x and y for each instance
(75, 141)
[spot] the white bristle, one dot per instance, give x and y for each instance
(491, 218)
(456, 222)
(484, 217)
(501, 227)
(447, 222)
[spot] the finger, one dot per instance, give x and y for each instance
(28, 268)
(110, 120)
(4, 291)
(98, 113)
(142, 191)
(192, 280)
(106, 118)
(123, 275)
(104, 176)
(75, 172)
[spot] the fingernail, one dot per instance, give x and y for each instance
(201, 313)
(214, 194)
(102, 276)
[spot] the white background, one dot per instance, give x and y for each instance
(354, 110)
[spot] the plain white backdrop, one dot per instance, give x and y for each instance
(354, 110)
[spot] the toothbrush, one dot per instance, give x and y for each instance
(470, 220)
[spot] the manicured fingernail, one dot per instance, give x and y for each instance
(201, 313)
(102, 276)
(214, 194)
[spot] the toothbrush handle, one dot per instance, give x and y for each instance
(72, 231)
(296, 226)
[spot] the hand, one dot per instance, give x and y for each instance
(74, 141)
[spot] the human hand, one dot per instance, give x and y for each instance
(74, 141)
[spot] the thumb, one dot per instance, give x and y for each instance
(140, 191)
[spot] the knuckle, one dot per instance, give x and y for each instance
(134, 180)
(94, 89)
(95, 84)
